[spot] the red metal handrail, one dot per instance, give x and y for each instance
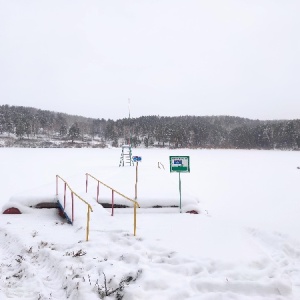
(136, 204)
(72, 198)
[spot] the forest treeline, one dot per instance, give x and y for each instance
(33, 127)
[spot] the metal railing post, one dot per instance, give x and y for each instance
(56, 185)
(98, 192)
(86, 183)
(65, 188)
(72, 195)
(112, 202)
(88, 224)
(136, 204)
(134, 225)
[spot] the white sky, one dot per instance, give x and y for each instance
(170, 57)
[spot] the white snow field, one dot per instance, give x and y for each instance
(244, 244)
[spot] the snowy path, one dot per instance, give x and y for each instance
(58, 268)
(283, 252)
(28, 273)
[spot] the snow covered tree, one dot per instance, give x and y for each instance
(74, 132)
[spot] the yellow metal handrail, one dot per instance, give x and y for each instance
(136, 204)
(80, 198)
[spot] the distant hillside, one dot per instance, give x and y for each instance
(30, 127)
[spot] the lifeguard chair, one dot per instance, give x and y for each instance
(126, 156)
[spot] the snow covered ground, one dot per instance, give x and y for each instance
(244, 244)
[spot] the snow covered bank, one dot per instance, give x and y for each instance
(244, 245)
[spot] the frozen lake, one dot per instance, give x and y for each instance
(247, 233)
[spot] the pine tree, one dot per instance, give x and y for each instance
(74, 132)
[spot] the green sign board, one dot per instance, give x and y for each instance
(180, 164)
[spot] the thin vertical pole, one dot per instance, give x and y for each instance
(65, 188)
(134, 222)
(98, 192)
(180, 191)
(72, 195)
(129, 141)
(112, 202)
(136, 179)
(86, 182)
(88, 224)
(56, 185)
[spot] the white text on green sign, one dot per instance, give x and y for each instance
(179, 164)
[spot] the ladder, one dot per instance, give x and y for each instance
(126, 156)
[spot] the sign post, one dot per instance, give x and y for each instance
(136, 159)
(180, 164)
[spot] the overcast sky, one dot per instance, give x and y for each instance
(170, 57)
